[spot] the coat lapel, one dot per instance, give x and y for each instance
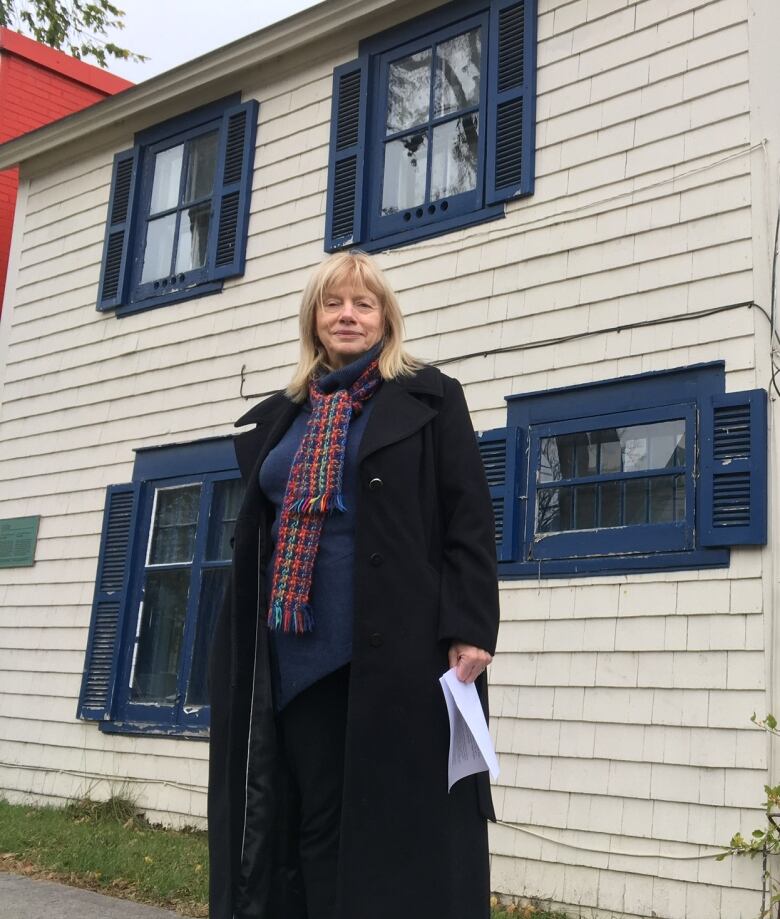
(272, 418)
(396, 414)
(248, 444)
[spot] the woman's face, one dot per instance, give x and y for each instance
(349, 323)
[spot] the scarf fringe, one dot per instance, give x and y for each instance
(296, 617)
(319, 504)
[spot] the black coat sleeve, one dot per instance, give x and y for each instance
(469, 610)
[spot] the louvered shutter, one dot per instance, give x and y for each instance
(511, 100)
(234, 190)
(344, 219)
(113, 270)
(500, 455)
(108, 608)
(733, 472)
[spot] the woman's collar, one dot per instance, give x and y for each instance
(345, 376)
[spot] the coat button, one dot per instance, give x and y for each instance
(375, 484)
(376, 559)
(376, 640)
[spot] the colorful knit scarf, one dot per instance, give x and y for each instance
(313, 490)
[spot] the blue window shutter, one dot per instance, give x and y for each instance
(114, 269)
(108, 608)
(733, 472)
(344, 219)
(511, 100)
(233, 194)
(501, 452)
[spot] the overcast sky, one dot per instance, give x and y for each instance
(170, 32)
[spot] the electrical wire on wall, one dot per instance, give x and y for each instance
(98, 777)
(617, 853)
(563, 339)
(570, 215)
(509, 227)
(774, 349)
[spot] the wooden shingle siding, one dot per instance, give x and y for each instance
(620, 704)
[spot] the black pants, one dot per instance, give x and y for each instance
(312, 728)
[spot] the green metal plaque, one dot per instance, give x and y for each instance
(17, 542)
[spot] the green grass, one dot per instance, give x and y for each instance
(108, 847)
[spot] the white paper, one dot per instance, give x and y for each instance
(471, 748)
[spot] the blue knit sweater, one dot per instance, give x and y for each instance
(298, 661)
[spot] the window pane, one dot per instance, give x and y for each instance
(586, 456)
(224, 511)
(661, 500)
(635, 501)
(667, 445)
(457, 73)
(454, 168)
(610, 451)
(193, 237)
(609, 504)
(653, 446)
(616, 496)
(549, 460)
(635, 448)
(156, 665)
(405, 165)
(167, 178)
(408, 91)
(568, 456)
(679, 497)
(555, 512)
(202, 164)
(638, 447)
(584, 507)
(159, 248)
(213, 585)
(175, 522)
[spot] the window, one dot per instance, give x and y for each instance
(433, 125)
(659, 470)
(179, 208)
(162, 574)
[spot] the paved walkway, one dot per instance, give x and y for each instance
(26, 898)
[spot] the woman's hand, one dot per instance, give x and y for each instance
(469, 660)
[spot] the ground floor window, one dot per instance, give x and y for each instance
(162, 574)
(661, 470)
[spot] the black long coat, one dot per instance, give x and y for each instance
(425, 574)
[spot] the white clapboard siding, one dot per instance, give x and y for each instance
(620, 704)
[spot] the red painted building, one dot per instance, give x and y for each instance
(39, 85)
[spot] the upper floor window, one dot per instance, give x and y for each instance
(162, 574)
(662, 470)
(429, 146)
(179, 208)
(433, 125)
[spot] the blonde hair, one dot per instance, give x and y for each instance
(361, 272)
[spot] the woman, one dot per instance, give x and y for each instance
(364, 566)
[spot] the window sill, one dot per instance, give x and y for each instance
(430, 230)
(610, 565)
(141, 306)
(154, 730)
